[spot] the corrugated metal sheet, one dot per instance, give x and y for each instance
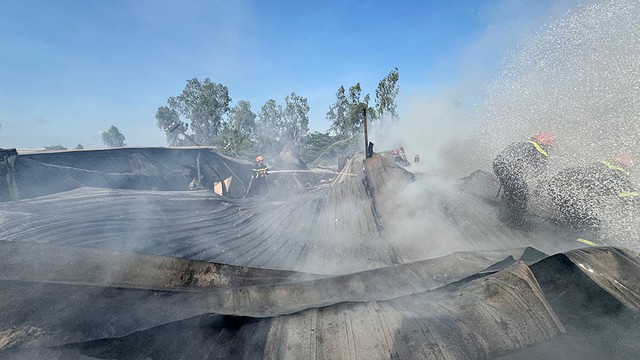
(343, 271)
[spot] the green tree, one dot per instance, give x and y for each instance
(55, 147)
(357, 107)
(322, 145)
(112, 137)
(235, 136)
(166, 117)
(243, 119)
(337, 114)
(346, 114)
(203, 106)
(79, 147)
(269, 123)
(386, 94)
(295, 123)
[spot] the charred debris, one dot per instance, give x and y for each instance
(107, 254)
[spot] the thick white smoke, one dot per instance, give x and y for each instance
(580, 78)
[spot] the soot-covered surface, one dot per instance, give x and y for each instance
(381, 264)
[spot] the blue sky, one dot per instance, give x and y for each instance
(70, 69)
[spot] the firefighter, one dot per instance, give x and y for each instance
(258, 184)
(583, 193)
(516, 167)
(400, 158)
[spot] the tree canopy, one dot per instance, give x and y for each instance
(202, 114)
(269, 126)
(112, 137)
(346, 115)
(236, 136)
(386, 94)
(200, 108)
(166, 117)
(295, 124)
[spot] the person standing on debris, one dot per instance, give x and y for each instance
(396, 157)
(516, 166)
(582, 193)
(399, 159)
(258, 184)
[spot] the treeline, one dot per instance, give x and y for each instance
(112, 137)
(202, 115)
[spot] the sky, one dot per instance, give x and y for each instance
(71, 69)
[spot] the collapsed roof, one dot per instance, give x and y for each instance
(381, 263)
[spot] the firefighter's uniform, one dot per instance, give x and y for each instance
(516, 166)
(581, 193)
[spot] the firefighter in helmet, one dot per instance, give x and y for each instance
(258, 184)
(517, 166)
(583, 193)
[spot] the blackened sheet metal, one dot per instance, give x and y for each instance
(615, 270)
(143, 308)
(336, 230)
(496, 315)
(598, 325)
(24, 261)
(45, 173)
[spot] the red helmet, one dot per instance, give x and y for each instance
(259, 158)
(626, 160)
(545, 138)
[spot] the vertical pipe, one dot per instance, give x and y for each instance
(366, 135)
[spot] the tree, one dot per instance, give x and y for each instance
(235, 136)
(113, 137)
(337, 114)
(268, 126)
(166, 117)
(242, 118)
(386, 94)
(317, 144)
(357, 107)
(203, 106)
(55, 147)
(346, 114)
(79, 147)
(295, 119)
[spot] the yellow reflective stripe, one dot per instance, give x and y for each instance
(628, 194)
(613, 167)
(585, 241)
(539, 148)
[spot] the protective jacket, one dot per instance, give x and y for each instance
(523, 159)
(582, 193)
(260, 170)
(516, 166)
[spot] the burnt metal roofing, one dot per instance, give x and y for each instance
(383, 263)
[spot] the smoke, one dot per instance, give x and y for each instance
(430, 121)
(580, 78)
(444, 122)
